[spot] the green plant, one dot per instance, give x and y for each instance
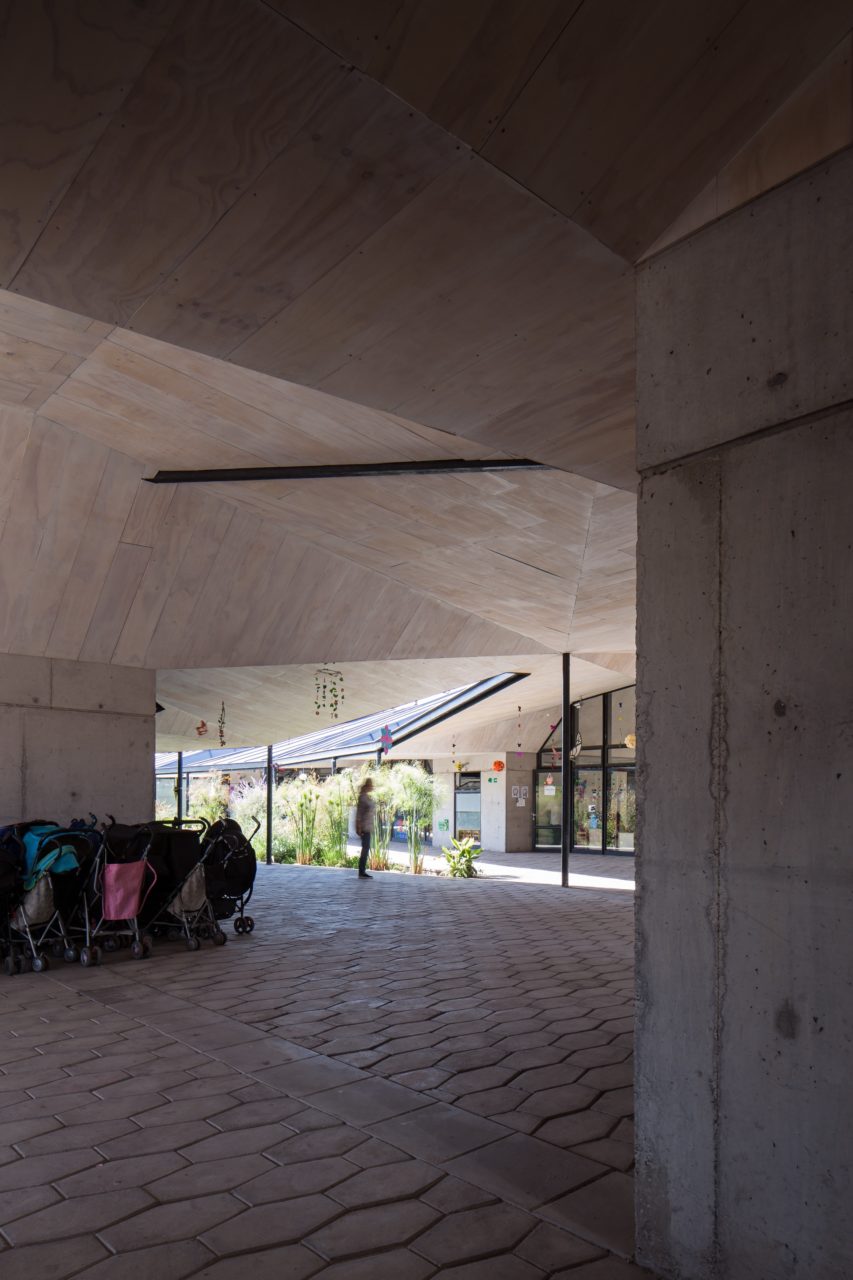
(249, 803)
(338, 799)
(206, 799)
(302, 805)
(460, 855)
(416, 793)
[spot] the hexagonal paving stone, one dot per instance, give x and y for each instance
(207, 1176)
(289, 1262)
(115, 1175)
(505, 1267)
(558, 1102)
(235, 1142)
(165, 1261)
(474, 1233)
(165, 1222)
(52, 1261)
(282, 1223)
(334, 1141)
(286, 1182)
(73, 1217)
(549, 1248)
(385, 1184)
(398, 1264)
(372, 1230)
(40, 1170)
(524, 1170)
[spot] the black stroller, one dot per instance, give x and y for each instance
(230, 866)
(178, 905)
(56, 864)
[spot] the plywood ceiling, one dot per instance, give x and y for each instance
(269, 704)
(98, 565)
(243, 231)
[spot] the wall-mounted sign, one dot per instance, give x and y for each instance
(519, 795)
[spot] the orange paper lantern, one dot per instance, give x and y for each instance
(498, 766)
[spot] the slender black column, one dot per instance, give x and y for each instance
(269, 804)
(566, 806)
(180, 786)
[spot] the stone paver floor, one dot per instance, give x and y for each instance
(389, 1079)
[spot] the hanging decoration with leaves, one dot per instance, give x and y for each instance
(201, 728)
(221, 723)
(555, 753)
(328, 691)
(387, 739)
(519, 751)
(453, 754)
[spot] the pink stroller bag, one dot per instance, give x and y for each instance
(122, 889)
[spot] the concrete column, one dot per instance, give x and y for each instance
(75, 738)
(745, 728)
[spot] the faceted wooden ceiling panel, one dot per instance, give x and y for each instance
(99, 565)
(616, 113)
(251, 198)
(269, 704)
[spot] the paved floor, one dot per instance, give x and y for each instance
(586, 870)
(389, 1080)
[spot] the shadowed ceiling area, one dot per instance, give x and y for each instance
(279, 232)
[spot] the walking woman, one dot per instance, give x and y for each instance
(364, 825)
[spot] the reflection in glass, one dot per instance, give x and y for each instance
(588, 807)
(621, 810)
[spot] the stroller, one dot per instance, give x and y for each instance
(11, 893)
(179, 905)
(120, 883)
(230, 866)
(56, 865)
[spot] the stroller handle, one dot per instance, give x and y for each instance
(200, 823)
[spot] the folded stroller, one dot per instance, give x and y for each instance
(179, 906)
(56, 865)
(119, 887)
(230, 866)
(11, 893)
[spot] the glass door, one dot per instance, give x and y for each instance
(589, 786)
(621, 809)
(467, 805)
(547, 812)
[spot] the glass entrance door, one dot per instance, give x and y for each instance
(589, 787)
(547, 812)
(621, 809)
(468, 805)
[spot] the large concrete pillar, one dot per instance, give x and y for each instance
(75, 738)
(745, 728)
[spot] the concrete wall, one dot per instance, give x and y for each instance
(75, 737)
(518, 821)
(506, 826)
(745, 728)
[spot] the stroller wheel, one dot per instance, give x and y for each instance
(239, 925)
(193, 944)
(40, 963)
(71, 955)
(220, 938)
(111, 944)
(56, 949)
(137, 950)
(90, 956)
(24, 963)
(248, 924)
(146, 948)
